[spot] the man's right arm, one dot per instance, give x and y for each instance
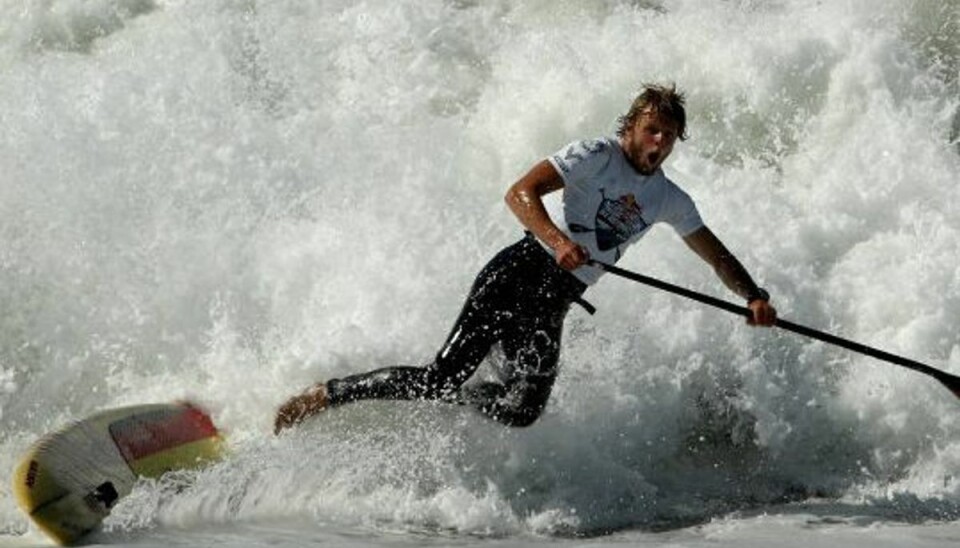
(525, 201)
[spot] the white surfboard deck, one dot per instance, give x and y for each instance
(68, 481)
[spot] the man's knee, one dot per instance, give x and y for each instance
(521, 403)
(518, 419)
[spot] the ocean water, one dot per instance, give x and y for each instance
(227, 201)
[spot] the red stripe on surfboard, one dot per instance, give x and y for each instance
(155, 431)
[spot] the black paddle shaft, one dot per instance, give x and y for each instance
(952, 382)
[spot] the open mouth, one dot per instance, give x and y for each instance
(652, 158)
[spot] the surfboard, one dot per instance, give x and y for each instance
(68, 480)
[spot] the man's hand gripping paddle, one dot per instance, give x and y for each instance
(952, 382)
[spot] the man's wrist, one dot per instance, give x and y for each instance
(556, 239)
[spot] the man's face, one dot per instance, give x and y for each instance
(649, 141)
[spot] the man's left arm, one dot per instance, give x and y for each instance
(733, 274)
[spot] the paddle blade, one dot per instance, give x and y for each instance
(952, 382)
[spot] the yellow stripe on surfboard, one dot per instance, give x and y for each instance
(188, 455)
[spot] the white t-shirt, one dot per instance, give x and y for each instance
(606, 206)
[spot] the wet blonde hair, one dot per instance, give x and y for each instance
(665, 100)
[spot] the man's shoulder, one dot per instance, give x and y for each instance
(669, 184)
(675, 195)
(600, 144)
(581, 147)
(597, 151)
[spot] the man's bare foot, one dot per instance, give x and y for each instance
(298, 408)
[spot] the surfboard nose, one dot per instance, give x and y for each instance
(69, 480)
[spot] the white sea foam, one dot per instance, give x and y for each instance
(229, 200)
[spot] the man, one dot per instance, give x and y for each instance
(613, 192)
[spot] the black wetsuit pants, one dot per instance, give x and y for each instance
(518, 300)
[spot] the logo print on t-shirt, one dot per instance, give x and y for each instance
(616, 222)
